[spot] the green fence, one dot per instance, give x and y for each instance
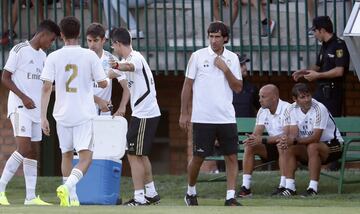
(173, 29)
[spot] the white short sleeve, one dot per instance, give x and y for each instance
(322, 118)
(287, 117)
(191, 69)
(260, 117)
(48, 73)
(237, 69)
(11, 63)
(122, 75)
(98, 72)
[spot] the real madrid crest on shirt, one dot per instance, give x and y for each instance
(206, 64)
(228, 62)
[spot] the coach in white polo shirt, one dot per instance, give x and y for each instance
(313, 139)
(271, 118)
(212, 74)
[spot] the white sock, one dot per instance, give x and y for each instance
(191, 190)
(313, 185)
(150, 190)
(139, 196)
(11, 166)
(230, 194)
(290, 184)
(30, 174)
(282, 181)
(73, 195)
(73, 179)
(246, 181)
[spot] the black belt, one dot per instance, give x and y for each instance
(329, 84)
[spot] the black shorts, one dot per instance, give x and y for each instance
(140, 135)
(335, 151)
(272, 153)
(204, 136)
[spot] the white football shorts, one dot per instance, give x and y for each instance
(76, 137)
(23, 126)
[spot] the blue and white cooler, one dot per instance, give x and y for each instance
(101, 183)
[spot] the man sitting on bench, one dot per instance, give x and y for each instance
(312, 139)
(270, 117)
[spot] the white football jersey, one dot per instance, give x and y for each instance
(212, 95)
(318, 117)
(73, 69)
(142, 87)
(105, 93)
(274, 123)
(25, 63)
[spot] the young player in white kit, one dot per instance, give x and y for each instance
(95, 37)
(313, 139)
(21, 76)
(74, 69)
(145, 116)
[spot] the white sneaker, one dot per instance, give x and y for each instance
(136, 34)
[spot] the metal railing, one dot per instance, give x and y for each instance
(173, 29)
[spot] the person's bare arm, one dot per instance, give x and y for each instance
(235, 84)
(185, 110)
(8, 83)
(45, 97)
(124, 99)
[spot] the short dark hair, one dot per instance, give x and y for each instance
(96, 29)
(323, 22)
(50, 26)
(300, 88)
(121, 35)
(218, 26)
(70, 27)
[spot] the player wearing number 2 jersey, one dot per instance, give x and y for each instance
(73, 69)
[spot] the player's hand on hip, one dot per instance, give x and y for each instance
(45, 127)
(28, 102)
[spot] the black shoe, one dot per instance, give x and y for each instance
(232, 202)
(288, 193)
(278, 191)
(309, 193)
(191, 200)
(133, 203)
(153, 200)
(244, 192)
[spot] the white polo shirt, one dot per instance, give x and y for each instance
(212, 95)
(104, 93)
(318, 117)
(142, 87)
(26, 64)
(274, 123)
(73, 69)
